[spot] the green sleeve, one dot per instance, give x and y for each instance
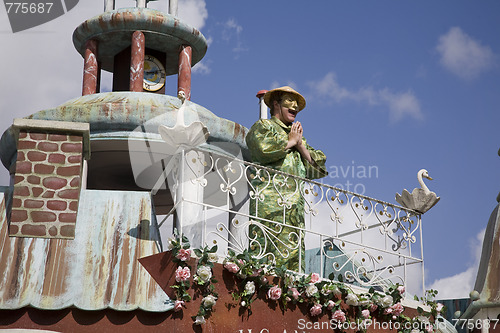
(318, 169)
(265, 143)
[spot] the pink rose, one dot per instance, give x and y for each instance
(182, 274)
(373, 307)
(388, 311)
(401, 290)
(397, 309)
(274, 293)
(339, 315)
(315, 277)
(439, 307)
(315, 310)
(183, 254)
(330, 305)
(365, 313)
(295, 293)
(178, 305)
(429, 328)
(232, 267)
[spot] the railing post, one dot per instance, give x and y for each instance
(172, 7)
(189, 197)
(109, 5)
(422, 254)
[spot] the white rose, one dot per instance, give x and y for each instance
(170, 243)
(386, 301)
(204, 273)
(209, 300)
(213, 257)
(199, 320)
(250, 287)
(364, 301)
(351, 300)
(311, 290)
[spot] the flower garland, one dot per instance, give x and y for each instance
(320, 295)
(203, 277)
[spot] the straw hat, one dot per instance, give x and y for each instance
(301, 101)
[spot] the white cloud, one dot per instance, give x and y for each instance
(464, 56)
(232, 31)
(42, 69)
(461, 284)
(194, 12)
(276, 84)
(399, 104)
(202, 67)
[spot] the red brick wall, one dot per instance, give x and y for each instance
(46, 185)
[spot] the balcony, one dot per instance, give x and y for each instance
(369, 242)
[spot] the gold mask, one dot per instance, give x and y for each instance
(289, 101)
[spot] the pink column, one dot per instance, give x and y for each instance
(184, 78)
(137, 61)
(90, 68)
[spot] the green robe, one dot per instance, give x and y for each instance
(279, 196)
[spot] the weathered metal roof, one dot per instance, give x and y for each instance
(486, 293)
(98, 269)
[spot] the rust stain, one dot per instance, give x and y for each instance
(493, 283)
(101, 262)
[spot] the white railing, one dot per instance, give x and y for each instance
(370, 242)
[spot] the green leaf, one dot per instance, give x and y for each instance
(213, 249)
(331, 276)
(340, 278)
(198, 253)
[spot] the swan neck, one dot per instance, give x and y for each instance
(422, 184)
(180, 115)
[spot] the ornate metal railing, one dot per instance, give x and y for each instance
(368, 241)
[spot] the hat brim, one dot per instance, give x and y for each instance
(301, 101)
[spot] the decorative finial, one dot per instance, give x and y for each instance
(421, 199)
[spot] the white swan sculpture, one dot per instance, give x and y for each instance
(180, 137)
(420, 199)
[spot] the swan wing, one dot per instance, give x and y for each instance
(405, 199)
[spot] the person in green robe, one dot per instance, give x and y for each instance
(278, 143)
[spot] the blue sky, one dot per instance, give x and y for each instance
(398, 85)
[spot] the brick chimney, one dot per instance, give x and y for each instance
(48, 177)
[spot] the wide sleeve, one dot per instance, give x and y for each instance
(317, 169)
(265, 143)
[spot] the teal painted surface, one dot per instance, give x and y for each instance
(117, 114)
(163, 32)
(98, 269)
